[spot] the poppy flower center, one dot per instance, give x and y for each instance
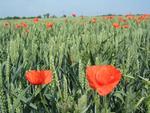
(104, 77)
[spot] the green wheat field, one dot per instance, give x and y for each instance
(67, 48)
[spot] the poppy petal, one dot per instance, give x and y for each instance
(106, 89)
(90, 71)
(39, 77)
(103, 78)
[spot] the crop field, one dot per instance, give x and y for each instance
(65, 48)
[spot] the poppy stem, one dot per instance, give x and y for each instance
(43, 100)
(105, 104)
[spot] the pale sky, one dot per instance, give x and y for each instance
(80, 7)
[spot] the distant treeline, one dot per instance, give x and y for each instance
(17, 17)
(47, 15)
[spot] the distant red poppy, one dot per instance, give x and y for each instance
(109, 17)
(49, 25)
(27, 30)
(18, 26)
(121, 19)
(39, 77)
(23, 24)
(35, 20)
(125, 26)
(116, 25)
(130, 16)
(103, 78)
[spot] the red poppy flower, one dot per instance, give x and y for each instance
(116, 25)
(109, 17)
(39, 77)
(49, 25)
(130, 16)
(18, 26)
(125, 26)
(35, 20)
(103, 78)
(27, 30)
(121, 19)
(23, 24)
